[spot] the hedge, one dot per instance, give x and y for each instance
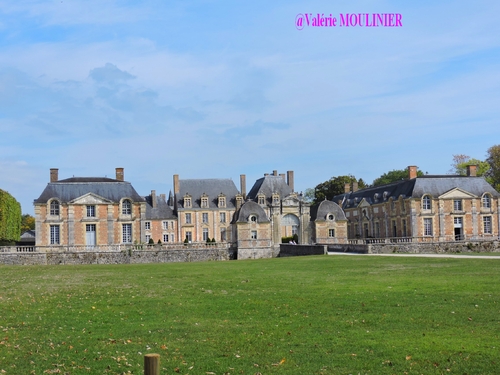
(10, 218)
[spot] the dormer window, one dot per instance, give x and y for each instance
(330, 217)
(204, 201)
(126, 207)
(261, 199)
(54, 208)
(222, 201)
(252, 218)
(239, 201)
(276, 199)
(187, 201)
(376, 196)
(386, 194)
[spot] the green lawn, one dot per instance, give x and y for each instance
(302, 315)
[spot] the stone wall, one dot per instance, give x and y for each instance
(288, 250)
(462, 247)
(121, 257)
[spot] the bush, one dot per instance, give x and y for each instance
(151, 242)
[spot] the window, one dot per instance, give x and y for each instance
(187, 202)
(365, 229)
(427, 227)
(90, 233)
(54, 208)
(205, 234)
(147, 225)
(457, 205)
(204, 202)
(222, 202)
(54, 235)
(148, 237)
(127, 233)
(262, 199)
(426, 202)
(253, 235)
(404, 229)
(394, 229)
(253, 218)
(331, 232)
(377, 229)
(188, 218)
(189, 236)
(276, 199)
(486, 201)
(90, 211)
(223, 234)
(164, 225)
(331, 217)
(172, 238)
(165, 238)
(487, 225)
(222, 217)
(204, 217)
(126, 207)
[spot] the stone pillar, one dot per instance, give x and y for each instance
(474, 220)
(442, 229)
(71, 225)
(111, 232)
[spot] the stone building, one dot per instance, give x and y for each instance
(427, 208)
(89, 211)
(160, 222)
(328, 223)
(204, 208)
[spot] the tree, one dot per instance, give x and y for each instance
(461, 162)
(494, 162)
(10, 219)
(393, 176)
(334, 186)
(309, 195)
(27, 223)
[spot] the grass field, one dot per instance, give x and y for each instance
(302, 315)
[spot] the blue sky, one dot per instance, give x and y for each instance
(215, 89)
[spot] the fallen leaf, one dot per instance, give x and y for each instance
(408, 357)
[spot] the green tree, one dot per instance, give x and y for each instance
(10, 219)
(461, 162)
(335, 186)
(493, 160)
(393, 176)
(309, 195)
(27, 223)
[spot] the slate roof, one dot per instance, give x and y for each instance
(162, 210)
(416, 188)
(319, 211)
(249, 208)
(268, 185)
(75, 187)
(211, 187)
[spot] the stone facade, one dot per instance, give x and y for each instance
(428, 208)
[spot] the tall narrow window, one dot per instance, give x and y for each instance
(205, 234)
(404, 228)
(457, 205)
(223, 234)
(127, 233)
(426, 202)
(147, 225)
(188, 218)
(165, 238)
(427, 227)
(164, 225)
(90, 234)
(90, 211)
(189, 236)
(204, 202)
(222, 202)
(487, 225)
(222, 217)
(377, 229)
(54, 208)
(126, 207)
(204, 217)
(486, 201)
(54, 235)
(253, 235)
(331, 233)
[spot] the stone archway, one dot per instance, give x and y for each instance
(290, 225)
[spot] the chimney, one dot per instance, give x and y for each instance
(289, 182)
(354, 186)
(275, 173)
(119, 174)
(347, 188)
(412, 172)
(154, 203)
(176, 184)
(163, 197)
(472, 170)
(243, 185)
(282, 175)
(54, 174)
(266, 174)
